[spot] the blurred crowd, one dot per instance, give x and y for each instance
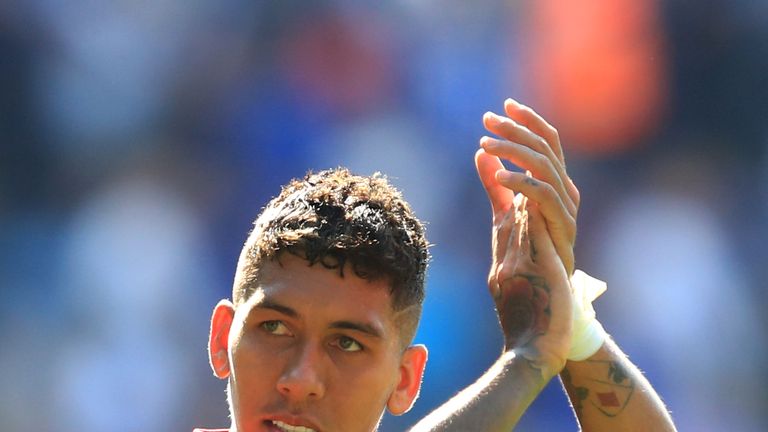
(138, 141)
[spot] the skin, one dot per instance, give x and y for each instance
(606, 391)
(535, 316)
(293, 356)
(299, 376)
(609, 393)
(534, 231)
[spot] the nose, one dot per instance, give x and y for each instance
(302, 378)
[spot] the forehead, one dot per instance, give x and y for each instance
(322, 294)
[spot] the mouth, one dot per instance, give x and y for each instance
(288, 427)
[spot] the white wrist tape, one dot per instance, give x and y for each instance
(588, 333)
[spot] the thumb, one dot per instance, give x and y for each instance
(500, 196)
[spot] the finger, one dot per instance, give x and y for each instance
(527, 117)
(500, 197)
(521, 225)
(540, 242)
(511, 229)
(540, 166)
(504, 230)
(519, 133)
(551, 267)
(506, 244)
(516, 131)
(560, 224)
(536, 124)
(517, 244)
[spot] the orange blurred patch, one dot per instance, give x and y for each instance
(597, 69)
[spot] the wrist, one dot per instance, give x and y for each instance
(543, 366)
(588, 334)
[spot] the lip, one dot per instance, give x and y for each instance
(293, 420)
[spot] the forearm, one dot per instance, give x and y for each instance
(609, 393)
(495, 402)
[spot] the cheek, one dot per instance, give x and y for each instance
(360, 407)
(366, 389)
(255, 369)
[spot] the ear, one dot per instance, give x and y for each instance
(411, 372)
(218, 340)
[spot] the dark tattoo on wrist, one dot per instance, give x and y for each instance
(524, 308)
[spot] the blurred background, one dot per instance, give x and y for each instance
(138, 141)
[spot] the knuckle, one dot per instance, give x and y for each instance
(553, 132)
(505, 272)
(576, 196)
(542, 161)
(550, 191)
(570, 229)
(551, 167)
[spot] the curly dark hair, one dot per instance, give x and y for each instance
(333, 217)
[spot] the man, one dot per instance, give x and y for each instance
(326, 300)
(328, 292)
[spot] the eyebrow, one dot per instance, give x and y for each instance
(285, 310)
(362, 327)
(357, 326)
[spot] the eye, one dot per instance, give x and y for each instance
(346, 343)
(275, 327)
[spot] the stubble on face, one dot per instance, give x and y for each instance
(314, 347)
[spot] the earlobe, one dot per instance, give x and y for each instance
(218, 340)
(412, 365)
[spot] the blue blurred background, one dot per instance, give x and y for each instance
(138, 140)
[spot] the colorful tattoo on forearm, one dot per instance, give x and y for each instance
(609, 394)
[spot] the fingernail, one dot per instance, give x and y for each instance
(511, 102)
(488, 142)
(503, 175)
(492, 119)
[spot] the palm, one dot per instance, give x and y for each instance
(530, 287)
(533, 234)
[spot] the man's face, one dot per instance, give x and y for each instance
(312, 349)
